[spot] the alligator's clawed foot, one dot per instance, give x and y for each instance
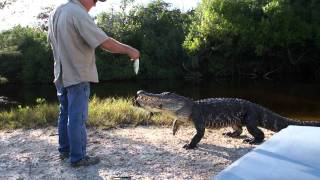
(231, 134)
(252, 141)
(188, 146)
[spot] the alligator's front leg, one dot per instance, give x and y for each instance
(175, 126)
(196, 138)
(252, 127)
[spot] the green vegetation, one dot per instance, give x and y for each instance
(254, 37)
(156, 31)
(220, 38)
(103, 114)
(25, 56)
(41, 115)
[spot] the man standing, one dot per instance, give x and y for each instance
(73, 36)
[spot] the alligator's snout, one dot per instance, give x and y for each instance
(135, 101)
(140, 92)
(165, 102)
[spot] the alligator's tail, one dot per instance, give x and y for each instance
(276, 122)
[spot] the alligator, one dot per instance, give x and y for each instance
(216, 113)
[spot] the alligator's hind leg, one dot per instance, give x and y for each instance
(237, 131)
(256, 133)
(252, 126)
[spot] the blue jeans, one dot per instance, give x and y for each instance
(72, 117)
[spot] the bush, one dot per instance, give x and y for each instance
(235, 37)
(26, 55)
(156, 31)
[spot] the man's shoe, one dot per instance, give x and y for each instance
(87, 161)
(64, 156)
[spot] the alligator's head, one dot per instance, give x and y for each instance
(166, 102)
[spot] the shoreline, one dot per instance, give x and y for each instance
(140, 153)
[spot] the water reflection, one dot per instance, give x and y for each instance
(299, 100)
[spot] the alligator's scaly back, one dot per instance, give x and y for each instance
(220, 112)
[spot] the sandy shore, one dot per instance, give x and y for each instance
(139, 153)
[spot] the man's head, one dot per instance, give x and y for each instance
(88, 4)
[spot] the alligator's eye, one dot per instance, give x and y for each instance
(160, 106)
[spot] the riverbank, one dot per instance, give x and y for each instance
(139, 153)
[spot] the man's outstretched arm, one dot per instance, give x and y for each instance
(115, 46)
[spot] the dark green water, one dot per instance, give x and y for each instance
(293, 99)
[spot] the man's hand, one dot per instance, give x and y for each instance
(134, 54)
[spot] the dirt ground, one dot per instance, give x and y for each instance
(126, 153)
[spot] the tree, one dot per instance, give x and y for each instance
(155, 30)
(255, 37)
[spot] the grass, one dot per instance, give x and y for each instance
(103, 114)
